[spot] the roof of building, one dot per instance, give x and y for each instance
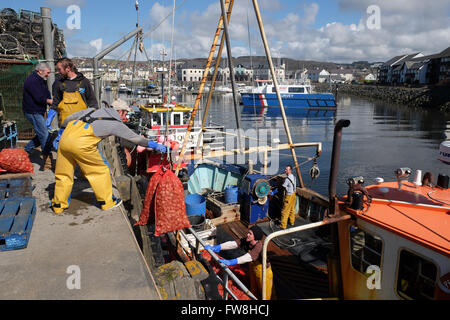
(445, 52)
(192, 65)
(394, 60)
(340, 71)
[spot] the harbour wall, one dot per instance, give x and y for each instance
(426, 97)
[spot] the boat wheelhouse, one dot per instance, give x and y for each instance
(397, 244)
(298, 99)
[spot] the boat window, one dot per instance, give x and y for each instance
(176, 119)
(416, 278)
(365, 249)
(156, 119)
(296, 90)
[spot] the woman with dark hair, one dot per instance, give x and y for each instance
(253, 246)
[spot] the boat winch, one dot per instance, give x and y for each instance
(254, 191)
(356, 193)
(402, 174)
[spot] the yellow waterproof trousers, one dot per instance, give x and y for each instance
(71, 102)
(288, 212)
(255, 268)
(78, 145)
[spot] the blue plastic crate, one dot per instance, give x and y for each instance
(16, 222)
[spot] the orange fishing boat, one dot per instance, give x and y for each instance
(397, 244)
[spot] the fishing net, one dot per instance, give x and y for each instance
(15, 161)
(164, 203)
(12, 77)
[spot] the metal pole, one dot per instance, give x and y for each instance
(225, 268)
(275, 82)
(288, 231)
(134, 62)
(49, 50)
(233, 83)
(213, 81)
(335, 164)
(99, 56)
(199, 95)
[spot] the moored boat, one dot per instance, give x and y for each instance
(298, 99)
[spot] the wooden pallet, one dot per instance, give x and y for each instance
(15, 186)
(16, 221)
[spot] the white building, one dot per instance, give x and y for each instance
(318, 75)
(190, 72)
(262, 72)
(370, 77)
(111, 75)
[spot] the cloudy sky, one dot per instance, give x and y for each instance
(322, 30)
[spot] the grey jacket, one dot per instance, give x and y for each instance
(106, 128)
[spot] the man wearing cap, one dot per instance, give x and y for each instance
(253, 246)
(83, 130)
(122, 108)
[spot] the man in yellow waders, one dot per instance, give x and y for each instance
(72, 92)
(78, 145)
(253, 246)
(288, 212)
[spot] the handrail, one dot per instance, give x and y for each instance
(225, 269)
(224, 283)
(287, 231)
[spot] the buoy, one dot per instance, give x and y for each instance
(444, 152)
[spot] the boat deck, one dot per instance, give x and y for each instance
(100, 243)
(298, 272)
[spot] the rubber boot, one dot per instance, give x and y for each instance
(48, 162)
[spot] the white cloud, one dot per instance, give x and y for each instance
(64, 3)
(406, 26)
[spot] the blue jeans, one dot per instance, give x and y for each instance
(42, 137)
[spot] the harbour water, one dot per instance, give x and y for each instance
(381, 138)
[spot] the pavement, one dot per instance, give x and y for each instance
(86, 253)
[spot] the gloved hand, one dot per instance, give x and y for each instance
(274, 192)
(231, 262)
(161, 148)
(157, 146)
(215, 249)
(51, 114)
(56, 141)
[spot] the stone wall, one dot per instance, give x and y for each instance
(428, 97)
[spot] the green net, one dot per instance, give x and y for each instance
(12, 77)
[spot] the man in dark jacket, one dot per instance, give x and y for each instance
(36, 97)
(72, 92)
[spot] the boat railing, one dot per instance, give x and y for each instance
(227, 274)
(285, 232)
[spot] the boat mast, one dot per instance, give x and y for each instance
(275, 83)
(233, 82)
(214, 77)
(200, 93)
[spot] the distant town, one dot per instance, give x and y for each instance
(407, 69)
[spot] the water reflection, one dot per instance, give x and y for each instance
(381, 138)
